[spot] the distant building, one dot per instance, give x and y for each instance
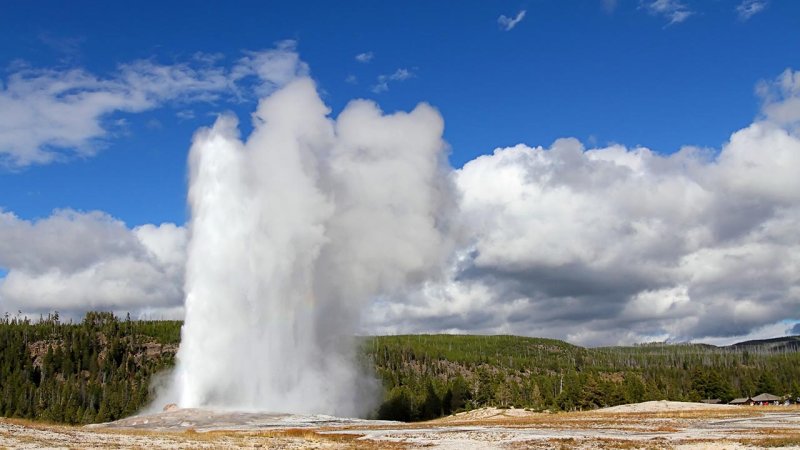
(766, 399)
(760, 399)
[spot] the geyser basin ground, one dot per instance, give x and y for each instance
(201, 420)
(643, 425)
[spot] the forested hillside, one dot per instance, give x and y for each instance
(430, 375)
(101, 368)
(95, 371)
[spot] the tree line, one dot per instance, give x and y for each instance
(95, 371)
(101, 370)
(427, 376)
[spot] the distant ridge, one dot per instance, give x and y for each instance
(774, 345)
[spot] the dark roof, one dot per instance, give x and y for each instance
(738, 401)
(766, 398)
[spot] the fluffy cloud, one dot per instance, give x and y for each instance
(782, 99)
(73, 262)
(48, 115)
(596, 246)
(508, 23)
(619, 244)
(274, 67)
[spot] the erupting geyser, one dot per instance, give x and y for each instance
(292, 231)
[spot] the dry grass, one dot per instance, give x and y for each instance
(773, 431)
(661, 422)
(605, 444)
(302, 437)
(776, 438)
(581, 417)
(564, 444)
(142, 433)
(346, 439)
(37, 424)
(626, 445)
(691, 414)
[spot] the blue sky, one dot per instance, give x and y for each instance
(581, 69)
(672, 214)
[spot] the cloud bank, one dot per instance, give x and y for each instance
(616, 244)
(596, 246)
(74, 262)
(48, 115)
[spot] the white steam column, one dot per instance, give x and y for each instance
(292, 232)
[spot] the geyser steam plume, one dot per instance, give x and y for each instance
(292, 232)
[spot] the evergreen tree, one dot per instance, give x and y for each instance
(768, 384)
(432, 406)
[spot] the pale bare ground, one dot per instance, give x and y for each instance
(29, 435)
(659, 425)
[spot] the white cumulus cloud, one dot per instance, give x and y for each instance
(48, 115)
(274, 67)
(74, 262)
(781, 98)
(596, 245)
(617, 244)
